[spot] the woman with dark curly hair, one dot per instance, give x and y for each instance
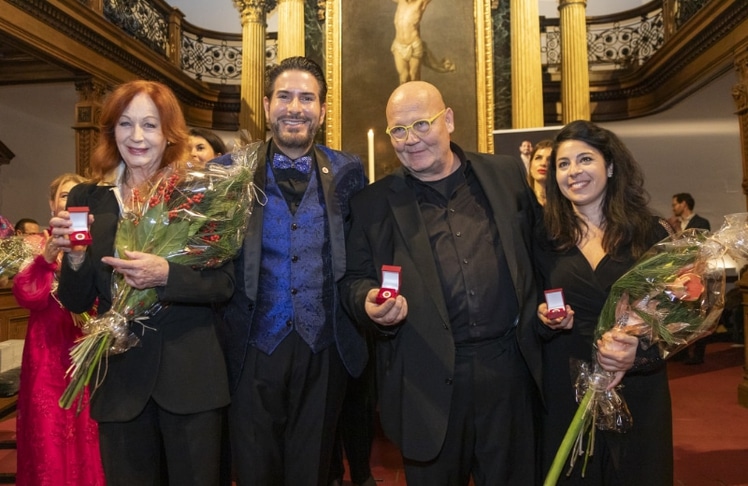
(597, 225)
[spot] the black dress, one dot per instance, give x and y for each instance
(644, 454)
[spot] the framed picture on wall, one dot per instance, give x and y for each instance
(371, 46)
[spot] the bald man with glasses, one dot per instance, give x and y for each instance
(458, 356)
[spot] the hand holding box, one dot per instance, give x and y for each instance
(390, 283)
(556, 304)
(79, 217)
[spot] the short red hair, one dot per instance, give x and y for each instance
(106, 155)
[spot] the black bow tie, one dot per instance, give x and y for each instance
(302, 164)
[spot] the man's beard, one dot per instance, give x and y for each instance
(296, 140)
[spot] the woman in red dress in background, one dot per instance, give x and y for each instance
(55, 446)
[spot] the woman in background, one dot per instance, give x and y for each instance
(205, 145)
(536, 174)
(598, 224)
(55, 446)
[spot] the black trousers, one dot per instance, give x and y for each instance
(283, 415)
(160, 448)
(356, 425)
(491, 430)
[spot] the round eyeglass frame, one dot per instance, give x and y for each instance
(406, 128)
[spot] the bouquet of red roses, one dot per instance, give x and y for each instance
(672, 296)
(195, 217)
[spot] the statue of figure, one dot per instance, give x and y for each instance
(408, 49)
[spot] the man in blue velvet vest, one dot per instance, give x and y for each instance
(289, 345)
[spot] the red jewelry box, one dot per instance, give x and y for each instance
(390, 283)
(79, 217)
(556, 305)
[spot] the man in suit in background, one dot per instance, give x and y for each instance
(289, 345)
(525, 151)
(683, 216)
(457, 353)
(27, 226)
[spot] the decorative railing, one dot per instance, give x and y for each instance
(625, 40)
(683, 10)
(143, 20)
(620, 41)
(211, 60)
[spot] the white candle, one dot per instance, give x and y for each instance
(371, 155)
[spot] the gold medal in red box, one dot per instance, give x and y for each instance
(672, 296)
(194, 217)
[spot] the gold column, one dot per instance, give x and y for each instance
(527, 75)
(174, 48)
(96, 5)
(740, 95)
(251, 112)
(290, 28)
(575, 76)
(91, 92)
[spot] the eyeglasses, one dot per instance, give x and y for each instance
(421, 127)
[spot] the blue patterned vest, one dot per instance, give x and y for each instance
(296, 289)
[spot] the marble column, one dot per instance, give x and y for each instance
(290, 28)
(91, 93)
(575, 76)
(251, 113)
(527, 75)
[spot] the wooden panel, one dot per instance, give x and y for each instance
(13, 318)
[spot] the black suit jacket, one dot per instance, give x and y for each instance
(178, 363)
(341, 176)
(416, 360)
(699, 223)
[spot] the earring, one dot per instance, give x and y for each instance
(610, 171)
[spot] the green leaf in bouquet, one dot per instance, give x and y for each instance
(172, 238)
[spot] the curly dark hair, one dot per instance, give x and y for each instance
(626, 218)
(296, 63)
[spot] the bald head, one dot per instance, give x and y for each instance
(425, 149)
(414, 95)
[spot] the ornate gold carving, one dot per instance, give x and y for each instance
(254, 10)
(333, 56)
(484, 75)
(91, 93)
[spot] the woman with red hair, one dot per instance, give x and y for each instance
(160, 405)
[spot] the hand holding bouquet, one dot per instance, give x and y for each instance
(194, 217)
(673, 296)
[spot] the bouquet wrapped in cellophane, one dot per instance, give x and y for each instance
(672, 296)
(18, 251)
(190, 216)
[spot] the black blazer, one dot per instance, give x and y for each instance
(416, 360)
(341, 175)
(699, 223)
(179, 362)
